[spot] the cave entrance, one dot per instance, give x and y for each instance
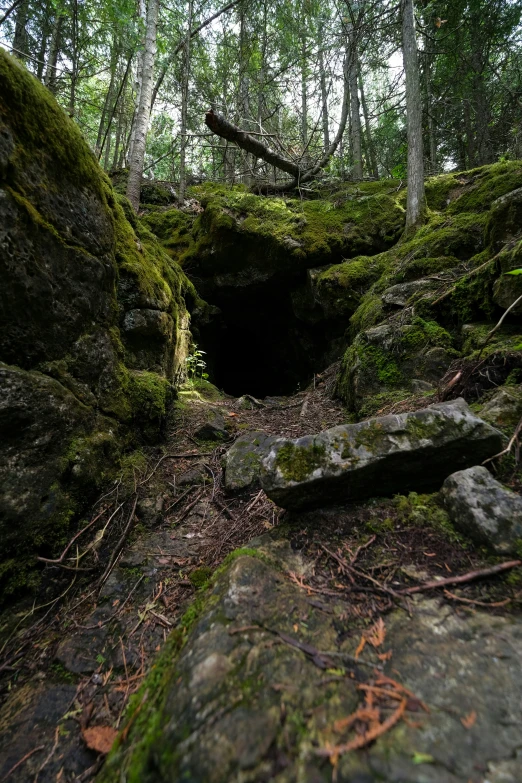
(260, 347)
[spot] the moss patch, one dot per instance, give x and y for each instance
(297, 463)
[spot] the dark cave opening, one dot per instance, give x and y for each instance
(259, 346)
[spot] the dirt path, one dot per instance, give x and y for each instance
(69, 669)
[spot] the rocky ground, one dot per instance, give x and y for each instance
(303, 648)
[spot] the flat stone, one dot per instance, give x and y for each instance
(401, 293)
(400, 453)
(243, 461)
(483, 509)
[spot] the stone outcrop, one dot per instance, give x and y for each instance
(481, 508)
(94, 324)
(383, 456)
(244, 697)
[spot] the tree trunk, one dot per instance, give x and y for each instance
(142, 10)
(372, 155)
(324, 96)
(432, 141)
(355, 116)
(141, 122)
(43, 44)
(50, 71)
(20, 36)
(184, 108)
(415, 205)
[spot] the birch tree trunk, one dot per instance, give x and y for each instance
(415, 205)
(141, 121)
(184, 108)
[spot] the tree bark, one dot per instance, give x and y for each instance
(372, 155)
(142, 118)
(355, 116)
(415, 205)
(20, 36)
(184, 109)
(50, 72)
(324, 98)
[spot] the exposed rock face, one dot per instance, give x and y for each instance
(243, 461)
(93, 323)
(484, 510)
(392, 454)
(243, 703)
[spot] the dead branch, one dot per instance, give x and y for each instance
(458, 580)
(119, 545)
(510, 445)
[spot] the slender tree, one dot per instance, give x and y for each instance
(415, 205)
(142, 117)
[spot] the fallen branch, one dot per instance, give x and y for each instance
(119, 545)
(474, 602)
(490, 335)
(458, 580)
(510, 445)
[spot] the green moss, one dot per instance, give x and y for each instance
(297, 463)
(200, 577)
(422, 429)
(370, 435)
(426, 510)
(149, 394)
(47, 133)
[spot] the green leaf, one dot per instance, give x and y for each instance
(515, 272)
(423, 758)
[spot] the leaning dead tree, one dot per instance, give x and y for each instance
(230, 132)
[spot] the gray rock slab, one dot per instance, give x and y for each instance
(243, 461)
(241, 707)
(407, 452)
(483, 509)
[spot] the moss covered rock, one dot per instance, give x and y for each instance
(391, 454)
(94, 322)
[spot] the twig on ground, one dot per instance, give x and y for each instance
(458, 580)
(350, 568)
(119, 545)
(510, 445)
(475, 602)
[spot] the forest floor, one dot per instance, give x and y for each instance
(69, 668)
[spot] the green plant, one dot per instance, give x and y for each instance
(515, 272)
(196, 365)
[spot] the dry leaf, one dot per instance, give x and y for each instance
(233, 414)
(377, 633)
(296, 628)
(469, 720)
(99, 738)
(385, 656)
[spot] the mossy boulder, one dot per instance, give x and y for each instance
(392, 355)
(410, 451)
(406, 305)
(241, 239)
(94, 318)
